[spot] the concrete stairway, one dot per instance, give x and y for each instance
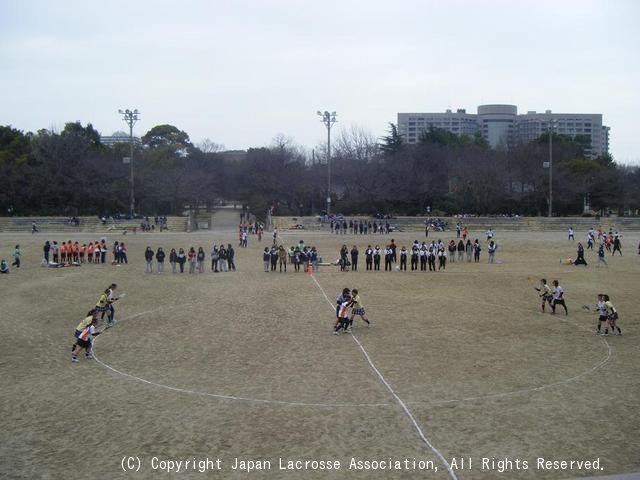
(225, 218)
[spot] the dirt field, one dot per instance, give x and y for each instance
(459, 366)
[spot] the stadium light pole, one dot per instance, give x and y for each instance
(130, 117)
(328, 119)
(550, 171)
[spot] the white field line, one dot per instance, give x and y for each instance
(221, 396)
(600, 364)
(566, 381)
(397, 398)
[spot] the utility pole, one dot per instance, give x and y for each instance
(130, 117)
(328, 119)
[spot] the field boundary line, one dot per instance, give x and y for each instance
(539, 388)
(221, 396)
(527, 390)
(393, 393)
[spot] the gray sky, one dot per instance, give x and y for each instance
(240, 72)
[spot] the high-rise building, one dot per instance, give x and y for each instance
(531, 125)
(502, 127)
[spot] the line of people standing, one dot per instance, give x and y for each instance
(300, 256)
(72, 252)
(361, 227)
(420, 256)
(222, 259)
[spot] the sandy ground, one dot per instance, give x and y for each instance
(459, 366)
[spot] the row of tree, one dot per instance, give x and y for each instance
(72, 173)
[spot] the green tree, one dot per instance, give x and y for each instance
(166, 136)
(444, 138)
(392, 143)
(88, 133)
(16, 172)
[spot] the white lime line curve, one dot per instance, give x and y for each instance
(393, 393)
(221, 396)
(539, 388)
(526, 390)
(402, 403)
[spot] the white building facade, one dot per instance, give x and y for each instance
(118, 137)
(502, 127)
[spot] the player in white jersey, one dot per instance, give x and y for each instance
(343, 316)
(558, 298)
(602, 313)
(84, 342)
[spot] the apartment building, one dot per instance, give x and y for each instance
(502, 127)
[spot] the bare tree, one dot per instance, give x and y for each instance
(209, 146)
(356, 144)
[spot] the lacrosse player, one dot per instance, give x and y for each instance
(84, 341)
(545, 293)
(342, 312)
(602, 313)
(612, 317)
(558, 298)
(358, 308)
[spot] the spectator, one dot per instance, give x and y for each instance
(192, 260)
(214, 258)
(148, 256)
(173, 259)
(231, 254)
(46, 249)
(17, 254)
(160, 259)
(182, 259)
(200, 258)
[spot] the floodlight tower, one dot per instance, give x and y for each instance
(550, 170)
(328, 119)
(549, 165)
(130, 117)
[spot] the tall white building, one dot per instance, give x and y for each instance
(502, 127)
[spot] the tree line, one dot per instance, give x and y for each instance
(72, 173)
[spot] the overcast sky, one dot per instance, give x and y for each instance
(241, 72)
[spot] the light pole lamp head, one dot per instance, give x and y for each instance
(129, 116)
(328, 118)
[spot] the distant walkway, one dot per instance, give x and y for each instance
(228, 219)
(530, 224)
(225, 219)
(90, 224)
